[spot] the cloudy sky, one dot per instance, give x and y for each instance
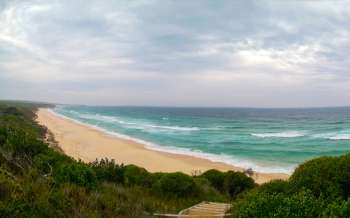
(176, 53)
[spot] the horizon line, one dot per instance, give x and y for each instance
(180, 106)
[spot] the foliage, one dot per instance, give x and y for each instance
(326, 176)
(274, 187)
(318, 188)
(216, 178)
(134, 175)
(279, 205)
(237, 182)
(76, 173)
(337, 210)
(108, 170)
(176, 185)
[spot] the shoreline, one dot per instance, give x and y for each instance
(83, 142)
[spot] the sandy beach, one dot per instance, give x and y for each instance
(86, 143)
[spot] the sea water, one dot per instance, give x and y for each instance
(266, 140)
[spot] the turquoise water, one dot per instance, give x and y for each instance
(267, 140)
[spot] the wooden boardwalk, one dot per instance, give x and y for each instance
(202, 210)
(206, 210)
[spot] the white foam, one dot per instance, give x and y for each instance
(287, 134)
(133, 125)
(98, 117)
(222, 158)
(340, 137)
(333, 136)
(179, 128)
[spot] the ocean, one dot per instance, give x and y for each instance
(266, 140)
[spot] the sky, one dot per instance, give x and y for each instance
(176, 53)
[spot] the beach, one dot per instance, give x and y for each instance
(88, 144)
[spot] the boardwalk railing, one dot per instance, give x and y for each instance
(190, 216)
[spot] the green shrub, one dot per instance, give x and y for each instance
(216, 179)
(5, 210)
(326, 176)
(236, 183)
(77, 173)
(49, 161)
(262, 205)
(327, 181)
(274, 187)
(22, 143)
(3, 136)
(175, 185)
(134, 175)
(11, 111)
(8, 186)
(337, 210)
(108, 170)
(206, 191)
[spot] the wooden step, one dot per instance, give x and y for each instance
(206, 209)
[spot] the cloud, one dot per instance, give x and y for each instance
(176, 52)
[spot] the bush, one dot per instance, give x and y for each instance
(216, 179)
(274, 187)
(326, 176)
(8, 186)
(49, 161)
(206, 191)
(3, 136)
(134, 175)
(317, 188)
(11, 111)
(263, 205)
(108, 170)
(337, 210)
(237, 182)
(76, 173)
(175, 185)
(22, 143)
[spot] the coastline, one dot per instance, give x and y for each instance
(86, 143)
